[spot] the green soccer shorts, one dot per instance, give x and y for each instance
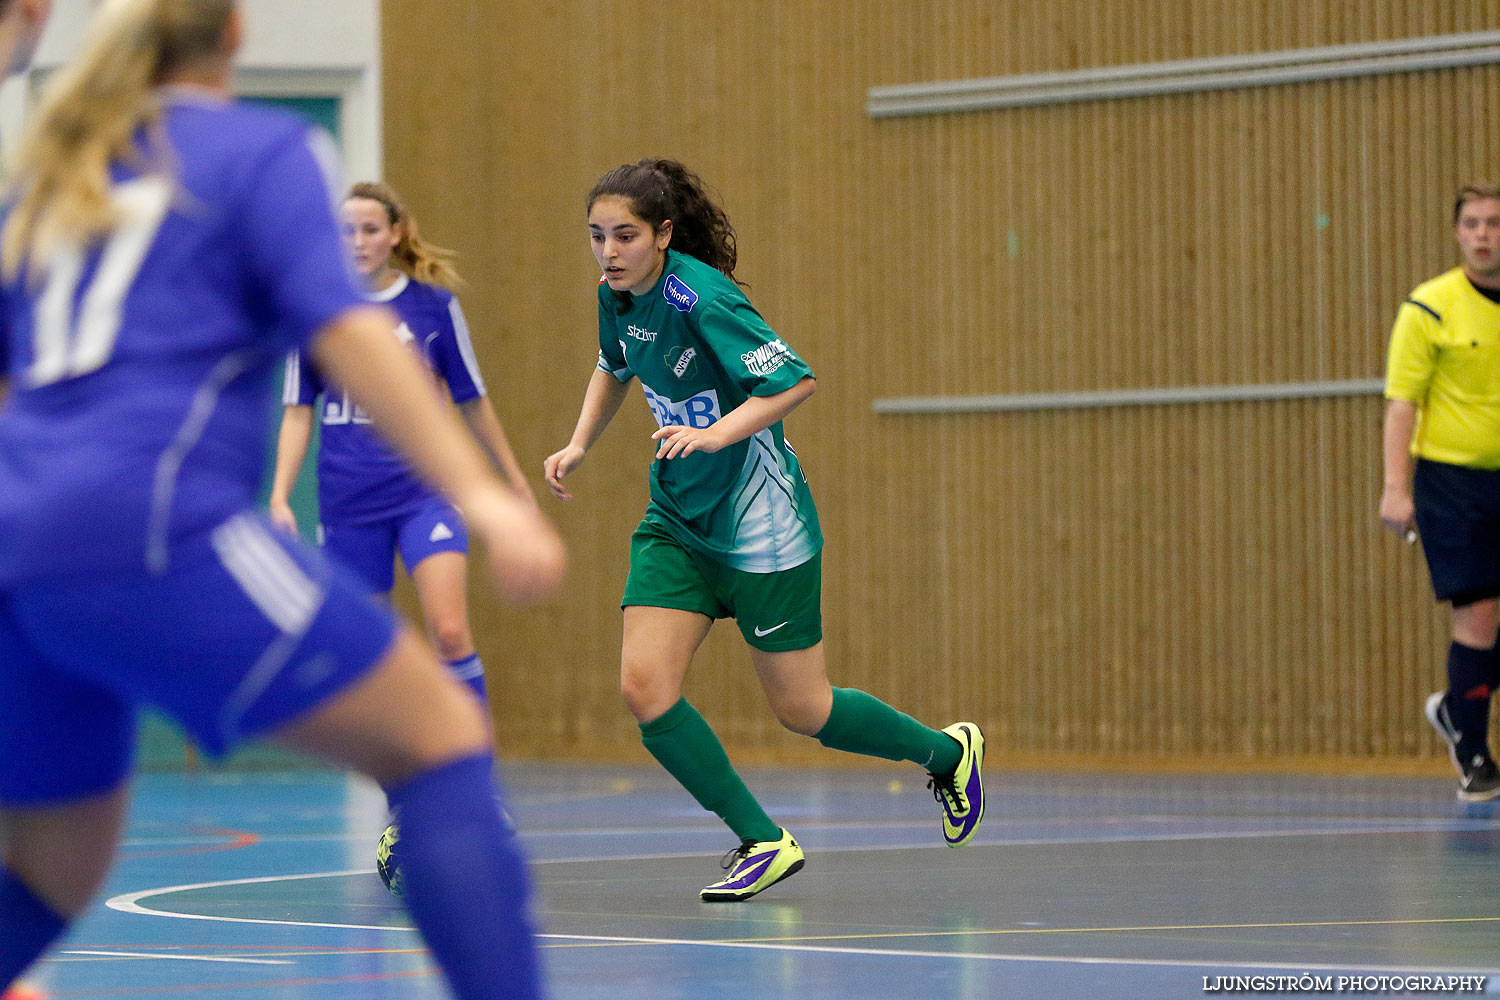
(776, 612)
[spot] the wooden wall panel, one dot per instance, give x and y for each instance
(1201, 583)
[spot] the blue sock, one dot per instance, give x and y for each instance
(27, 927)
(471, 672)
(466, 881)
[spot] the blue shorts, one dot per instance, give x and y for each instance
(232, 645)
(1458, 518)
(369, 548)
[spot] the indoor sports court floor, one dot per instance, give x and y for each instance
(261, 885)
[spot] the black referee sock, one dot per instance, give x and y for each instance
(1469, 678)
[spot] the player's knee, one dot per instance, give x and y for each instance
(471, 728)
(452, 639)
(457, 729)
(646, 696)
(66, 889)
(1476, 624)
(804, 716)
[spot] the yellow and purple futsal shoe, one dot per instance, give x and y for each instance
(755, 866)
(961, 794)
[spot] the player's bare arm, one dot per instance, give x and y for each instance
(601, 401)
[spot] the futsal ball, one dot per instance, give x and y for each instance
(388, 861)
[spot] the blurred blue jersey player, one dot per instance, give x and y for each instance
(21, 25)
(162, 250)
(371, 506)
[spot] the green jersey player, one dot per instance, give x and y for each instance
(731, 530)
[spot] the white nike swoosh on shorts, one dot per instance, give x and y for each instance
(760, 633)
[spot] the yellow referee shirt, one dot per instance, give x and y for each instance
(1445, 357)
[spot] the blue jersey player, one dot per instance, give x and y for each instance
(371, 506)
(21, 24)
(162, 250)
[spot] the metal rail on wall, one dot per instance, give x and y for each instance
(1149, 79)
(1128, 397)
(1184, 76)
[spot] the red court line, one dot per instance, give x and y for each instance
(235, 840)
(265, 984)
(330, 949)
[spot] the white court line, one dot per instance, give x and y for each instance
(991, 957)
(1123, 837)
(130, 903)
(176, 958)
(1354, 825)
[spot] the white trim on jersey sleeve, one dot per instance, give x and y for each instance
(291, 383)
(465, 344)
(621, 374)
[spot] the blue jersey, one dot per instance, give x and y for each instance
(359, 478)
(140, 369)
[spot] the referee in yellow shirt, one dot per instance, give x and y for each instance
(1442, 470)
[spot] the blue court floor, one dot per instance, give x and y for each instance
(240, 886)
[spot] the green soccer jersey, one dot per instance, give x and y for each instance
(700, 349)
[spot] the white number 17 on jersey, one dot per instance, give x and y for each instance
(67, 344)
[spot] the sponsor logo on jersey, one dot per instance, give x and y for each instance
(679, 294)
(646, 336)
(766, 358)
(343, 410)
(685, 362)
(697, 411)
(404, 334)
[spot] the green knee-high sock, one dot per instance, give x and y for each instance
(862, 723)
(684, 744)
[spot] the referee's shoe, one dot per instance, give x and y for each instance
(1478, 778)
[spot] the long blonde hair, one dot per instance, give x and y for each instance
(94, 113)
(413, 256)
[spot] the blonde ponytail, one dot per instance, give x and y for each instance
(95, 113)
(413, 256)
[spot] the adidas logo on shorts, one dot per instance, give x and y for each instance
(440, 533)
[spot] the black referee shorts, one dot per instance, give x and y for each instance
(1458, 516)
